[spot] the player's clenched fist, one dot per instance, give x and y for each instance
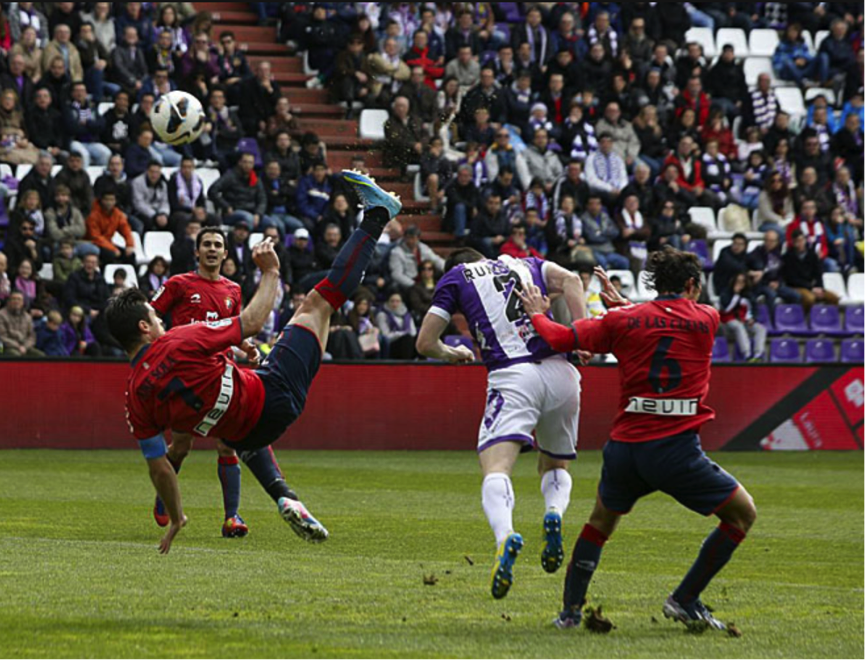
(534, 302)
(265, 257)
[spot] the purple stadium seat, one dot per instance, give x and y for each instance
(852, 351)
(790, 319)
(511, 11)
(820, 350)
(854, 320)
(721, 350)
(763, 317)
(250, 145)
(458, 340)
(826, 320)
(698, 246)
(784, 350)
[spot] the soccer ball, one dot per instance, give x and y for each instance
(177, 118)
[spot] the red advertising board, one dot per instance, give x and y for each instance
(79, 405)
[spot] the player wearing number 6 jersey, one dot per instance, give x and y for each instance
(184, 380)
(532, 388)
(664, 351)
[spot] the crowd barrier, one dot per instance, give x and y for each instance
(80, 405)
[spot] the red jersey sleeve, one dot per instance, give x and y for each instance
(140, 426)
(597, 334)
(206, 339)
(167, 296)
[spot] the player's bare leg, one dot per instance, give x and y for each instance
(178, 450)
(584, 560)
(556, 484)
(233, 525)
(737, 516)
(497, 497)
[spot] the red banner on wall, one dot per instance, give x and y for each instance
(79, 405)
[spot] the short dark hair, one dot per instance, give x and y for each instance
(226, 33)
(672, 269)
(123, 314)
(739, 234)
(796, 233)
(462, 256)
(209, 230)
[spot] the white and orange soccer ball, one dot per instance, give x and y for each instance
(178, 118)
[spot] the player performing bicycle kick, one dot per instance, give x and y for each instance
(183, 379)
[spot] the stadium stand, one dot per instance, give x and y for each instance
(397, 90)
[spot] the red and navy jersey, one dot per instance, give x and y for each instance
(664, 349)
(184, 381)
(191, 298)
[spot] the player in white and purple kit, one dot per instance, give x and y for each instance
(531, 389)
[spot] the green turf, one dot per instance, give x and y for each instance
(80, 576)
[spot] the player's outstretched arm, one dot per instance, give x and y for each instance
(570, 286)
(559, 337)
(260, 307)
(429, 342)
(164, 479)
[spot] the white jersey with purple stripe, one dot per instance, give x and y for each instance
(484, 292)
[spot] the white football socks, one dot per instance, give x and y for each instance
(497, 496)
(556, 487)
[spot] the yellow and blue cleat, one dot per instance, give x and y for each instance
(553, 553)
(503, 570)
(371, 194)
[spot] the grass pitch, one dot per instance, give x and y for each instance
(80, 576)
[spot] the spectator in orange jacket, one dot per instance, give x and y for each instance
(104, 221)
(516, 245)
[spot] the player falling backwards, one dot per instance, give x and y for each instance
(531, 388)
(183, 379)
(664, 349)
(205, 296)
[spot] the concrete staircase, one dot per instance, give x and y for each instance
(315, 113)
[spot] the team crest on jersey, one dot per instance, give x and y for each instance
(229, 303)
(195, 299)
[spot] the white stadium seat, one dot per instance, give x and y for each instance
(22, 170)
(5, 170)
(94, 172)
(118, 240)
(629, 282)
(56, 170)
(105, 106)
(643, 291)
(140, 257)
(791, 101)
(46, 273)
(705, 38)
(753, 245)
(131, 278)
(372, 124)
(856, 287)
(168, 172)
(818, 39)
(208, 176)
(762, 43)
(814, 92)
(418, 189)
(754, 66)
(809, 41)
(735, 37)
(255, 239)
(158, 244)
(718, 246)
(834, 282)
(705, 217)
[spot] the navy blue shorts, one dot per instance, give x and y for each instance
(287, 374)
(676, 466)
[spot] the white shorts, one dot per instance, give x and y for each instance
(543, 398)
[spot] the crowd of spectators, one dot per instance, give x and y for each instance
(578, 132)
